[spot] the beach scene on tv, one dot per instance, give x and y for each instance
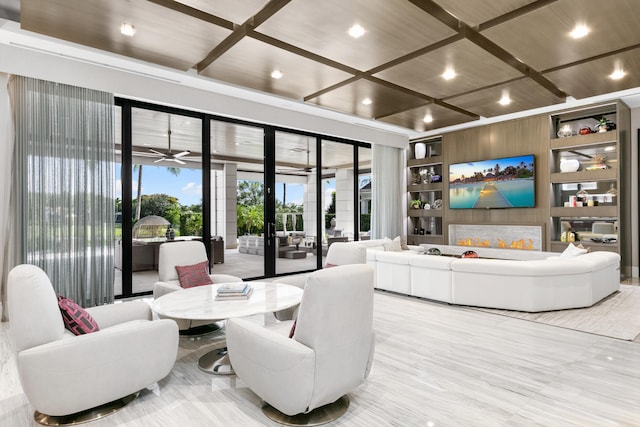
(496, 183)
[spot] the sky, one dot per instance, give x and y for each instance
(187, 186)
(468, 169)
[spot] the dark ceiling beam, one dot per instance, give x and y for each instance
(399, 88)
(240, 31)
(515, 13)
(415, 54)
(232, 39)
(301, 52)
(267, 12)
(483, 42)
(592, 58)
(438, 12)
(484, 88)
(506, 57)
(195, 13)
(444, 104)
(331, 88)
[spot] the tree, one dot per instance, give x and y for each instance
(161, 205)
(250, 193)
(172, 170)
(250, 219)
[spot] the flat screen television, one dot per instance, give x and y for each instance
(507, 182)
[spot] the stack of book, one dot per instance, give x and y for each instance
(234, 291)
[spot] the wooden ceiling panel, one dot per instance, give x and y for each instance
(475, 68)
(250, 63)
(162, 36)
(385, 100)
(231, 10)
(592, 78)
(393, 28)
(525, 94)
(541, 38)
(414, 119)
(475, 13)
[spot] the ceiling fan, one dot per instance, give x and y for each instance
(306, 169)
(169, 156)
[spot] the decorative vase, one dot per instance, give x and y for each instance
(420, 150)
(569, 165)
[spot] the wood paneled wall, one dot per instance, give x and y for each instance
(513, 138)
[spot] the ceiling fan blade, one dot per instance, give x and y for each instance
(184, 153)
(160, 160)
(156, 152)
(178, 161)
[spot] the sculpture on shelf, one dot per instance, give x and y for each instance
(420, 150)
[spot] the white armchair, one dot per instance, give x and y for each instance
(340, 253)
(330, 353)
(63, 374)
(182, 253)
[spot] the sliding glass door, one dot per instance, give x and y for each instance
(266, 201)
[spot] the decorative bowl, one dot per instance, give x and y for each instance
(433, 251)
(470, 254)
(569, 165)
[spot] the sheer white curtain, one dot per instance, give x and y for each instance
(388, 186)
(63, 185)
(6, 166)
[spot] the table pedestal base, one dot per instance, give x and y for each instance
(216, 362)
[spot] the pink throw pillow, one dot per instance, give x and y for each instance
(293, 329)
(327, 265)
(76, 319)
(194, 275)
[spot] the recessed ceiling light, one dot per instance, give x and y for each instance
(579, 31)
(428, 118)
(448, 74)
(127, 29)
(505, 100)
(367, 101)
(356, 31)
(276, 74)
(617, 74)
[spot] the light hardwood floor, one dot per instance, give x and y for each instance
(435, 365)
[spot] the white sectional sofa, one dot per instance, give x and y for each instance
(534, 281)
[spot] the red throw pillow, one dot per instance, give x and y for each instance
(293, 329)
(194, 275)
(76, 319)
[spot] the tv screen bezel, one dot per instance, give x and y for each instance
(495, 160)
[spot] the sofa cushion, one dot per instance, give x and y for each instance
(499, 268)
(432, 261)
(394, 245)
(572, 251)
(76, 319)
(394, 257)
(194, 275)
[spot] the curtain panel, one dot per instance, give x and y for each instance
(63, 186)
(387, 184)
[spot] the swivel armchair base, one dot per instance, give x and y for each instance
(322, 415)
(86, 415)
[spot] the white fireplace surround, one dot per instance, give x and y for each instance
(521, 237)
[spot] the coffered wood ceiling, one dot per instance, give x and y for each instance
(518, 48)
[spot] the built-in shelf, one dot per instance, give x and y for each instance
(598, 138)
(578, 176)
(427, 161)
(425, 213)
(585, 212)
(416, 188)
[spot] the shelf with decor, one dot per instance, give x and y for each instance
(589, 150)
(425, 190)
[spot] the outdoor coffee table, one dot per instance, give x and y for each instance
(199, 303)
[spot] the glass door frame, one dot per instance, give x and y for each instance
(126, 106)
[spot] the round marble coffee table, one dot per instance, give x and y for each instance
(199, 303)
